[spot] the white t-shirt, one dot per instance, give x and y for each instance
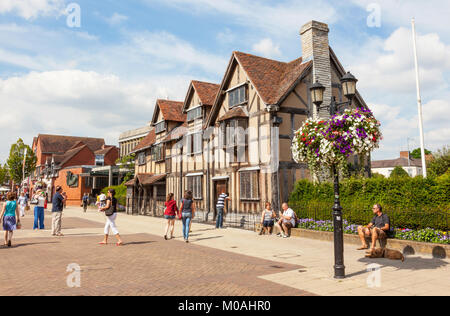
(41, 201)
(289, 213)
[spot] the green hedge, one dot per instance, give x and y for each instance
(121, 193)
(413, 203)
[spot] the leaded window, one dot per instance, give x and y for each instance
(160, 127)
(249, 185)
(237, 96)
(194, 184)
(194, 114)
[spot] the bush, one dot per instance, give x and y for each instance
(413, 203)
(399, 172)
(121, 193)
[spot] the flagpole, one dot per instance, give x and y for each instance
(419, 102)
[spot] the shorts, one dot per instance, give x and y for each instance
(169, 217)
(288, 225)
(268, 223)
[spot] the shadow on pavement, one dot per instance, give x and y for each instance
(411, 263)
(206, 238)
(18, 245)
(137, 243)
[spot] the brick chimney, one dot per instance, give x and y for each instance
(315, 47)
(404, 154)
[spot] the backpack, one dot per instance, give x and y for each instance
(296, 221)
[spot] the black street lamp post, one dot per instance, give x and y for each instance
(317, 91)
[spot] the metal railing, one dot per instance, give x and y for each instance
(149, 207)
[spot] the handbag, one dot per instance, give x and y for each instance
(19, 225)
(34, 202)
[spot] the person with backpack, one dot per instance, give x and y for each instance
(286, 222)
(111, 214)
(187, 210)
(85, 202)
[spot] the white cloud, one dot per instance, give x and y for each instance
(73, 102)
(388, 65)
(280, 18)
(267, 48)
(397, 127)
(31, 9)
(116, 19)
(431, 15)
(226, 36)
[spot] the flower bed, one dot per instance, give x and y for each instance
(424, 235)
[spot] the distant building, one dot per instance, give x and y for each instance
(385, 167)
(69, 162)
(130, 139)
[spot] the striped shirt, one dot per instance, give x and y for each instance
(221, 200)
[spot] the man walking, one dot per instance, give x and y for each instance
(223, 197)
(57, 208)
(85, 201)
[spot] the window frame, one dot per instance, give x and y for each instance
(142, 158)
(252, 186)
(195, 116)
(195, 185)
(242, 89)
(158, 130)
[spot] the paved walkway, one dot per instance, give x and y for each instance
(293, 264)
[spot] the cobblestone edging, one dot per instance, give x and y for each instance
(406, 246)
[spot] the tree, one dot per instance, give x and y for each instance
(3, 174)
(15, 161)
(440, 163)
(417, 153)
(399, 172)
(129, 163)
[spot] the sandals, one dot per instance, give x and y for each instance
(102, 243)
(363, 248)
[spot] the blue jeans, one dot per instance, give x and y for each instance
(186, 221)
(219, 221)
(38, 218)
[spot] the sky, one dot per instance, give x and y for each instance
(102, 76)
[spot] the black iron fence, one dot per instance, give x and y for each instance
(155, 208)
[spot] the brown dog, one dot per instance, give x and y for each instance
(385, 253)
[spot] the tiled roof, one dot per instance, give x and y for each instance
(272, 79)
(400, 162)
(234, 113)
(105, 150)
(130, 183)
(171, 110)
(149, 178)
(206, 91)
(147, 142)
(176, 133)
(61, 144)
(60, 160)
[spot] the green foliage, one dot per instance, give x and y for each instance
(440, 163)
(4, 175)
(417, 153)
(399, 172)
(128, 162)
(377, 176)
(15, 161)
(414, 203)
(121, 193)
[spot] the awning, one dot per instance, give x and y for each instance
(194, 174)
(130, 183)
(149, 179)
(221, 178)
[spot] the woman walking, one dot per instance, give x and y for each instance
(39, 198)
(170, 214)
(10, 217)
(187, 213)
(111, 214)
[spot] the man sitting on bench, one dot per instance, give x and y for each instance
(377, 229)
(286, 222)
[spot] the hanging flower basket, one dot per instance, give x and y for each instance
(324, 143)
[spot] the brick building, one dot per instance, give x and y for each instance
(68, 161)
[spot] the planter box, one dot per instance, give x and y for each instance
(407, 247)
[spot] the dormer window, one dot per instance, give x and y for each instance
(237, 96)
(195, 113)
(100, 160)
(160, 127)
